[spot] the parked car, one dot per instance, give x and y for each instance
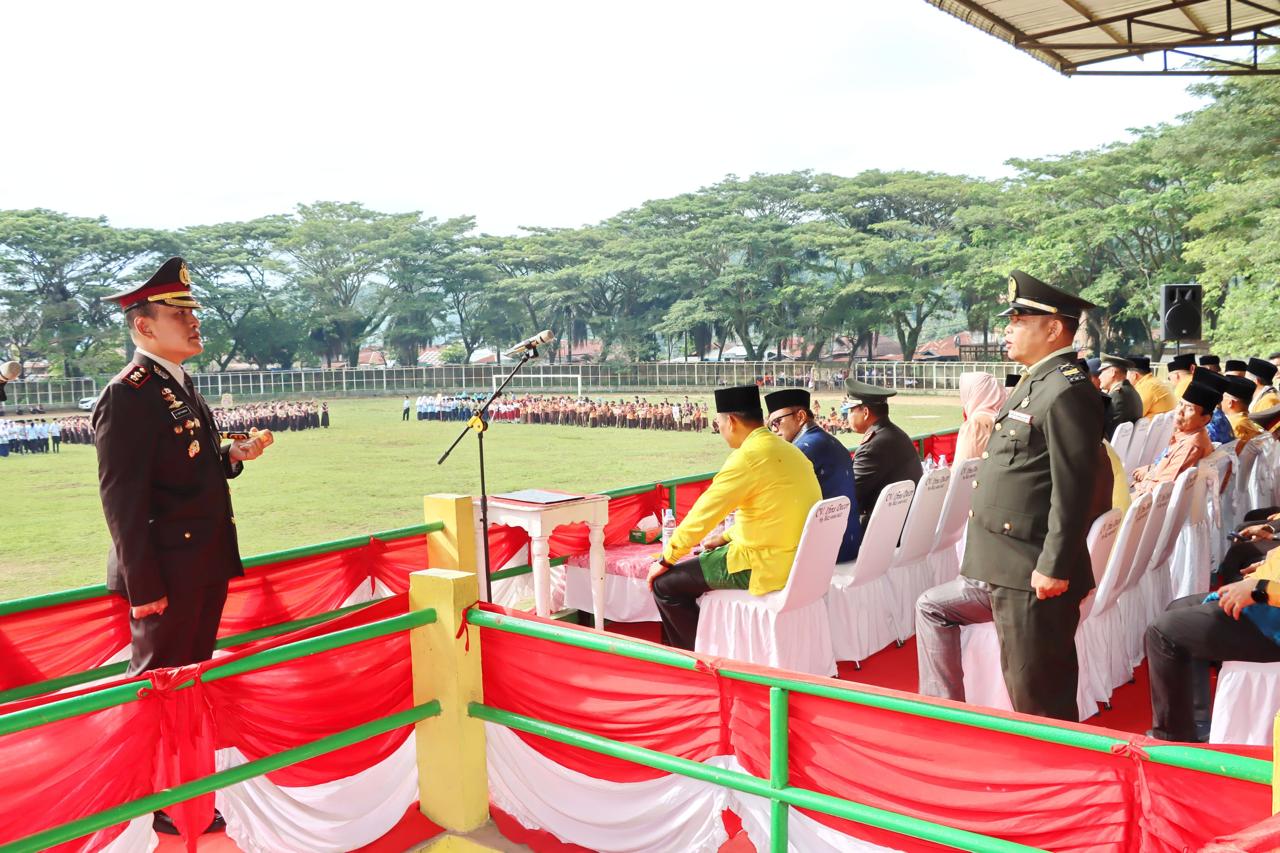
(86, 404)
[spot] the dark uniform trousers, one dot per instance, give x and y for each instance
(184, 633)
(1182, 644)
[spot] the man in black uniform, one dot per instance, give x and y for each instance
(886, 455)
(162, 474)
(1126, 403)
(1042, 481)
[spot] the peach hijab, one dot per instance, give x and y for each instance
(981, 396)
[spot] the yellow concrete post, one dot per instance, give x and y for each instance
(453, 785)
(1275, 765)
(455, 546)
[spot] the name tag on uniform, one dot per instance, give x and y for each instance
(180, 413)
(1020, 416)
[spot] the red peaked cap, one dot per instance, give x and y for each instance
(171, 285)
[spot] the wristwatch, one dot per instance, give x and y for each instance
(1260, 592)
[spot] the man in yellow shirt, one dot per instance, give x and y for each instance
(1235, 405)
(1263, 373)
(1157, 397)
(770, 486)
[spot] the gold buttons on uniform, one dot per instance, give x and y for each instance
(1008, 526)
(186, 534)
(999, 427)
(971, 513)
(985, 454)
(975, 484)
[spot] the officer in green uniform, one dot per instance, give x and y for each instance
(1126, 402)
(1042, 481)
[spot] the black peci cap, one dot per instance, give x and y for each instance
(1204, 396)
(1240, 388)
(1234, 366)
(1141, 363)
(786, 397)
(739, 398)
(1210, 361)
(1185, 361)
(1263, 371)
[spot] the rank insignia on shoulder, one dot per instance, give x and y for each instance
(137, 375)
(1073, 374)
(160, 371)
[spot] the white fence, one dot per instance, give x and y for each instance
(924, 376)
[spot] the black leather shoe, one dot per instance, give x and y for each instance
(163, 824)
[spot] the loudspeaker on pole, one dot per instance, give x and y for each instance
(1180, 307)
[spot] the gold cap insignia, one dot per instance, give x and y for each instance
(183, 275)
(1013, 289)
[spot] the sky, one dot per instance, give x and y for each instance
(543, 113)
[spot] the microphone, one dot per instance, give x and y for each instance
(534, 342)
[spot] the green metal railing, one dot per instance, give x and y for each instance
(85, 593)
(777, 788)
(24, 720)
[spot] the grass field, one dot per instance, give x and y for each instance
(368, 472)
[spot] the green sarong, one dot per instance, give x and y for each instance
(715, 570)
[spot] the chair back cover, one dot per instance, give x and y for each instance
(1137, 443)
(816, 554)
(880, 539)
(955, 508)
(921, 527)
(1121, 437)
(1115, 578)
(1175, 518)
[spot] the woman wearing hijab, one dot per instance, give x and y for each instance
(981, 397)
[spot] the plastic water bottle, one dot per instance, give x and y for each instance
(942, 460)
(668, 527)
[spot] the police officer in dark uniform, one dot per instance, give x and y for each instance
(1126, 402)
(1042, 481)
(886, 455)
(162, 473)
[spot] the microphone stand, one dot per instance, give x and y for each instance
(479, 423)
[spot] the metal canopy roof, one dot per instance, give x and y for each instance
(1074, 36)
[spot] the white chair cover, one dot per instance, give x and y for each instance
(1246, 703)
(1104, 628)
(1160, 567)
(1192, 562)
(911, 573)
(980, 644)
(1120, 439)
(1137, 444)
(948, 546)
(1261, 484)
(787, 629)
(1151, 586)
(860, 602)
(1211, 479)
